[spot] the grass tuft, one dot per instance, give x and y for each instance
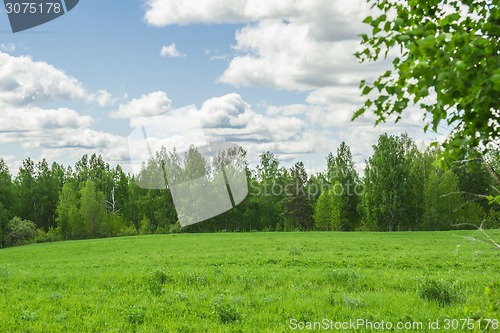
(441, 291)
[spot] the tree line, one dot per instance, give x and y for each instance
(401, 188)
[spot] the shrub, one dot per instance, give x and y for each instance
(114, 225)
(175, 228)
(146, 226)
(19, 232)
(127, 231)
(53, 235)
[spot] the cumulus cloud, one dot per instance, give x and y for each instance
(226, 118)
(230, 115)
(291, 45)
(286, 44)
(304, 45)
(283, 55)
(36, 119)
(149, 105)
(25, 82)
(162, 13)
(170, 51)
(68, 146)
(168, 12)
(296, 131)
(58, 131)
(88, 138)
(231, 118)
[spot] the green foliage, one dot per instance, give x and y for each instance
(25, 182)
(323, 211)
(268, 191)
(46, 189)
(447, 62)
(402, 189)
(113, 225)
(68, 219)
(297, 210)
(388, 194)
(7, 199)
(345, 189)
(486, 316)
(175, 228)
(492, 219)
(442, 201)
(19, 232)
(146, 227)
(471, 213)
(53, 235)
(127, 231)
(92, 209)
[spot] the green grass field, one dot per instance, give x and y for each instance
(254, 282)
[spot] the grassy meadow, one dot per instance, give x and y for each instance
(245, 282)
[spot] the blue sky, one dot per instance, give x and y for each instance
(270, 75)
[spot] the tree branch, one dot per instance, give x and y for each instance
(488, 240)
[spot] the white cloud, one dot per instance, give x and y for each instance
(302, 45)
(230, 115)
(226, 111)
(288, 110)
(226, 118)
(169, 12)
(103, 98)
(24, 82)
(284, 55)
(36, 119)
(230, 118)
(149, 105)
(162, 13)
(57, 131)
(66, 145)
(170, 51)
(287, 44)
(292, 132)
(8, 48)
(69, 146)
